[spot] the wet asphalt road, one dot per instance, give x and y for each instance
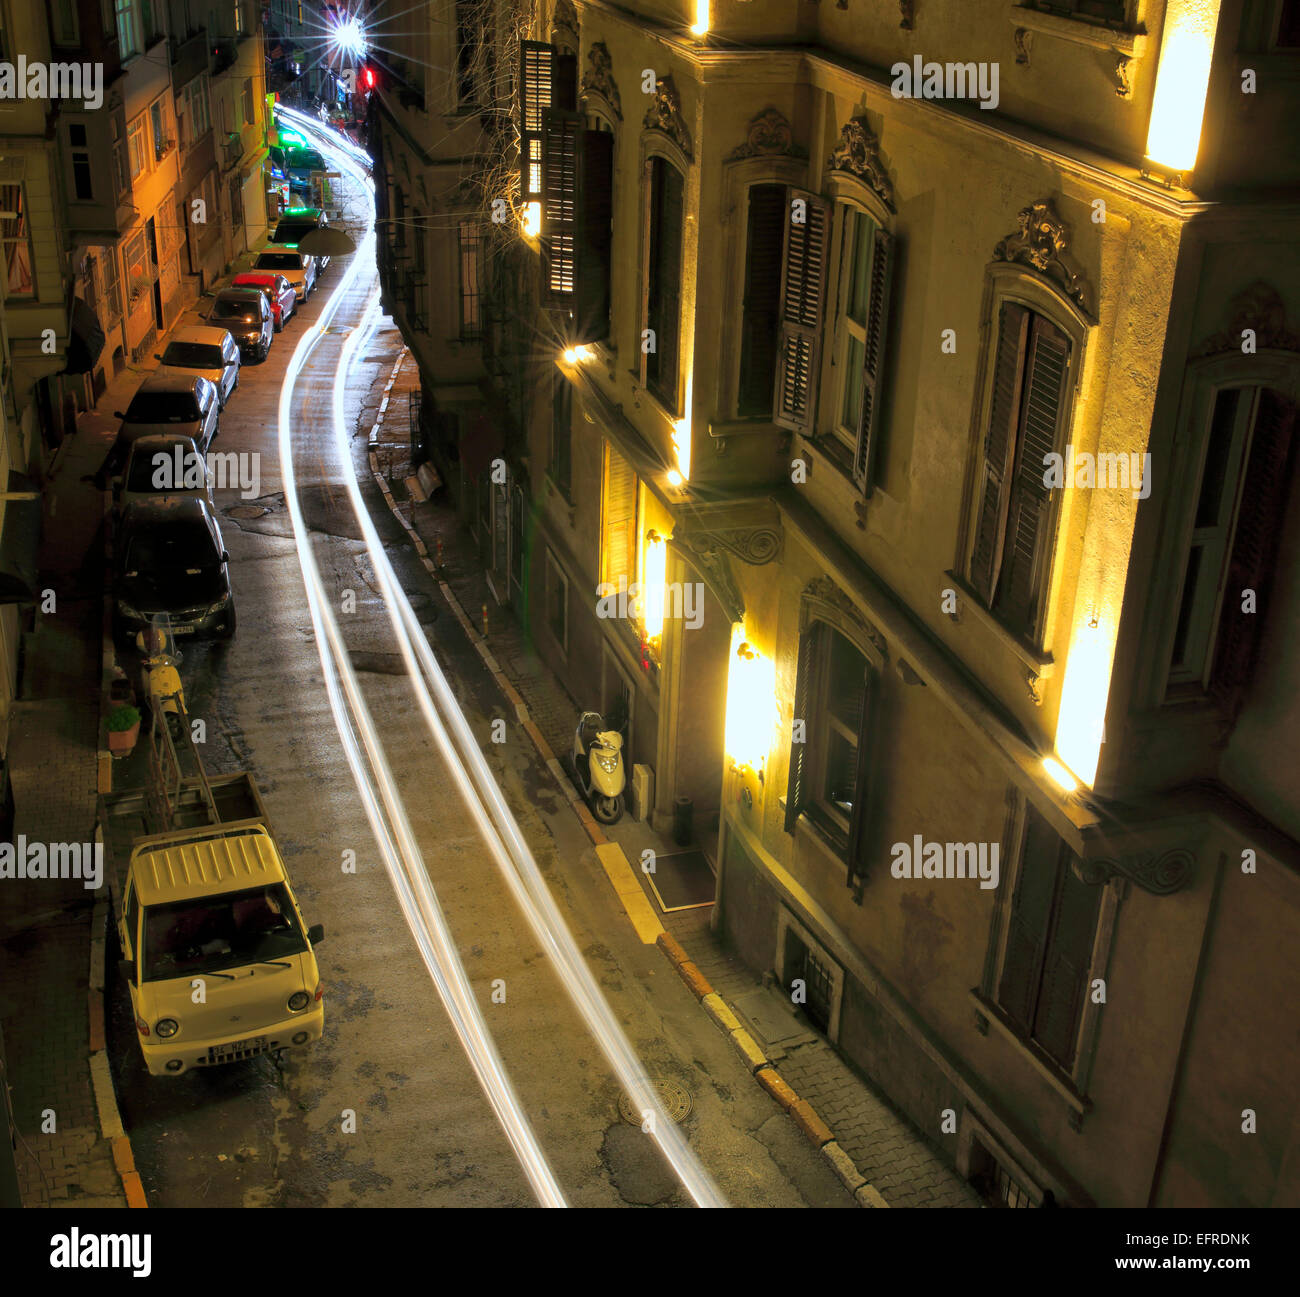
(253, 1134)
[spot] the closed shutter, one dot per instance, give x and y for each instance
(665, 279)
(595, 237)
(802, 288)
(561, 137)
(1065, 967)
(882, 270)
(862, 781)
(797, 788)
(1024, 556)
(764, 243)
(1004, 413)
(1031, 914)
(618, 552)
(564, 82)
(536, 65)
(1254, 544)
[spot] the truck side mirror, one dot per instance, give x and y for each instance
(127, 968)
(316, 933)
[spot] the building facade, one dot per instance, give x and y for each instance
(934, 371)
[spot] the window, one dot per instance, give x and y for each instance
(536, 70)
(664, 280)
(79, 152)
(469, 39)
(1235, 528)
(160, 121)
(17, 239)
(199, 113)
(127, 40)
(1010, 556)
(561, 467)
(1104, 11)
(1050, 935)
(121, 175)
(830, 770)
(137, 146)
(618, 527)
(557, 602)
(148, 26)
(236, 204)
(248, 101)
(110, 289)
(238, 6)
(764, 240)
(64, 22)
(471, 269)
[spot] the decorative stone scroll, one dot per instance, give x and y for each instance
(769, 135)
(858, 153)
(598, 79)
(1040, 242)
(1158, 872)
(665, 114)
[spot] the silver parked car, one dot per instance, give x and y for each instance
(209, 352)
(165, 465)
(299, 268)
(173, 403)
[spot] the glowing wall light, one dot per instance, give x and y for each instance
(682, 447)
(572, 355)
(1182, 79)
(700, 27)
(654, 577)
(751, 703)
(531, 221)
(1080, 724)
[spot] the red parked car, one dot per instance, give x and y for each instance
(278, 290)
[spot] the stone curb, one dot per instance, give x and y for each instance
(760, 1066)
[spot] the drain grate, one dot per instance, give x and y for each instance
(675, 1101)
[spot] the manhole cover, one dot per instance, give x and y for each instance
(246, 511)
(676, 1103)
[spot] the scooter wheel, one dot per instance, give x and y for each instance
(608, 810)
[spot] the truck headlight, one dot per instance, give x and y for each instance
(299, 1000)
(166, 1027)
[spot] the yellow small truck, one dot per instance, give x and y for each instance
(215, 949)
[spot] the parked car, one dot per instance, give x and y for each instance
(171, 402)
(279, 292)
(301, 162)
(246, 315)
(211, 353)
(298, 221)
(166, 465)
(171, 559)
(299, 268)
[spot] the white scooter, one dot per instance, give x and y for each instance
(160, 659)
(598, 766)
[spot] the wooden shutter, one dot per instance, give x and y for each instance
(802, 288)
(564, 82)
(765, 239)
(1065, 966)
(1004, 414)
(882, 270)
(1031, 914)
(595, 237)
(536, 66)
(665, 279)
(618, 545)
(1024, 554)
(797, 788)
(561, 185)
(862, 780)
(1254, 544)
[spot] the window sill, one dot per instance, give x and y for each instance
(817, 833)
(1039, 661)
(1078, 1104)
(1080, 31)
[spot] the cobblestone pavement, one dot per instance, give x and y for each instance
(888, 1150)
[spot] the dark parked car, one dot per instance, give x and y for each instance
(247, 316)
(171, 559)
(297, 222)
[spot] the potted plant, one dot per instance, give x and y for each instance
(123, 729)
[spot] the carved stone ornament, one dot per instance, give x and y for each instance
(1157, 872)
(1024, 39)
(1123, 86)
(702, 552)
(858, 153)
(754, 545)
(769, 135)
(907, 15)
(1041, 243)
(1034, 682)
(564, 25)
(1259, 308)
(824, 590)
(598, 79)
(665, 114)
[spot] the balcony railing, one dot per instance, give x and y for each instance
(189, 57)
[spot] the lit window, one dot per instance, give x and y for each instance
(17, 238)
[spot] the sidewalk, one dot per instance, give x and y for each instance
(888, 1151)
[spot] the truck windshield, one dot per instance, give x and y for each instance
(212, 933)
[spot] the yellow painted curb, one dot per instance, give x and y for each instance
(869, 1196)
(771, 1081)
(134, 1190)
(720, 1013)
(673, 949)
(698, 983)
(628, 890)
(123, 1158)
(811, 1124)
(748, 1048)
(849, 1175)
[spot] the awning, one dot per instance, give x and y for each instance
(20, 541)
(86, 338)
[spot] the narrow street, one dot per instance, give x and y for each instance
(385, 1110)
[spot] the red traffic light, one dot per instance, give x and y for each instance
(367, 78)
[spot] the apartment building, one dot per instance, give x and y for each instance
(934, 371)
(296, 59)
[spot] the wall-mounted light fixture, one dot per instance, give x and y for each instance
(531, 220)
(1182, 81)
(751, 705)
(700, 27)
(653, 583)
